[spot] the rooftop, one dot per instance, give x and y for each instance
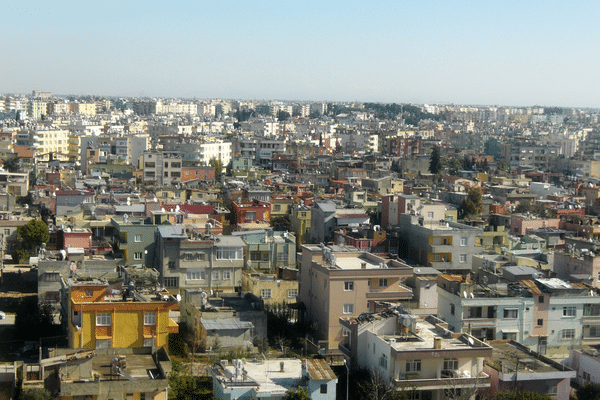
(506, 355)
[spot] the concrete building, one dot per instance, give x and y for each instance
(338, 281)
(513, 366)
(270, 288)
(416, 355)
(213, 263)
(272, 379)
(99, 317)
(103, 374)
(546, 315)
(269, 250)
(445, 246)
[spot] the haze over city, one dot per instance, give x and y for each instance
(508, 53)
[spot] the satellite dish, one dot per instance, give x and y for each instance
(471, 341)
(465, 294)
(406, 321)
(178, 297)
(485, 280)
(472, 296)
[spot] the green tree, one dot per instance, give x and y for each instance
(283, 115)
(33, 233)
(281, 223)
(297, 394)
(588, 392)
(523, 395)
(218, 166)
(11, 164)
(36, 394)
(184, 386)
(454, 165)
(472, 205)
(435, 163)
(34, 320)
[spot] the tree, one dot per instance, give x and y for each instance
(184, 386)
(435, 164)
(11, 164)
(218, 166)
(472, 205)
(297, 394)
(454, 165)
(33, 233)
(588, 392)
(34, 320)
(283, 115)
(376, 387)
(281, 223)
(36, 394)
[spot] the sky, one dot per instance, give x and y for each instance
(511, 53)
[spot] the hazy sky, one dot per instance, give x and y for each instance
(468, 52)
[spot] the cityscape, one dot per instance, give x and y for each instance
(382, 200)
(271, 249)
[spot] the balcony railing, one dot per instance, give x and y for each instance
(443, 383)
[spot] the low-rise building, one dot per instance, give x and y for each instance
(415, 354)
(272, 379)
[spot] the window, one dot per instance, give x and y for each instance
(430, 215)
(452, 310)
(195, 275)
(171, 264)
(226, 275)
(229, 253)
(552, 390)
(348, 308)
(265, 293)
(463, 258)
(189, 257)
(451, 363)
(511, 313)
(463, 241)
(509, 336)
(137, 255)
(292, 293)
(250, 215)
(436, 258)
(567, 334)
(277, 207)
(265, 256)
(137, 238)
(149, 318)
(171, 282)
(200, 256)
(255, 255)
(586, 376)
(383, 282)
(540, 322)
(215, 275)
(383, 361)
(349, 286)
(282, 257)
(413, 366)
(324, 283)
(323, 388)
(103, 319)
(52, 276)
(89, 292)
(595, 331)
(540, 299)
(569, 311)
(7, 232)
(52, 297)
(103, 343)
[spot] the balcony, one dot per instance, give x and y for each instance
(402, 293)
(479, 322)
(483, 380)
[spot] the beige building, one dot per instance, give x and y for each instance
(339, 281)
(270, 288)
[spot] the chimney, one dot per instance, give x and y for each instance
(363, 265)
(437, 343)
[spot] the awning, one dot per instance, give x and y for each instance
(173, 326)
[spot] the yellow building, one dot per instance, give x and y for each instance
(300, 224)
(100, 317)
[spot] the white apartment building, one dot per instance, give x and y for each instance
(160, 168)
(417, 355)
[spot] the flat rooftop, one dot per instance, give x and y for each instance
(505, 355)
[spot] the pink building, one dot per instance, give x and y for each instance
(520, 223)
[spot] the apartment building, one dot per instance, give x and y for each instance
(160, 168)
(395, 205)
(443, 245)
(212, 263)
(197, 150)
(338, 281)
(300, 223)
(417, 355)
(134, 237)
(548, 315)
(268, 249)
(102, 317)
